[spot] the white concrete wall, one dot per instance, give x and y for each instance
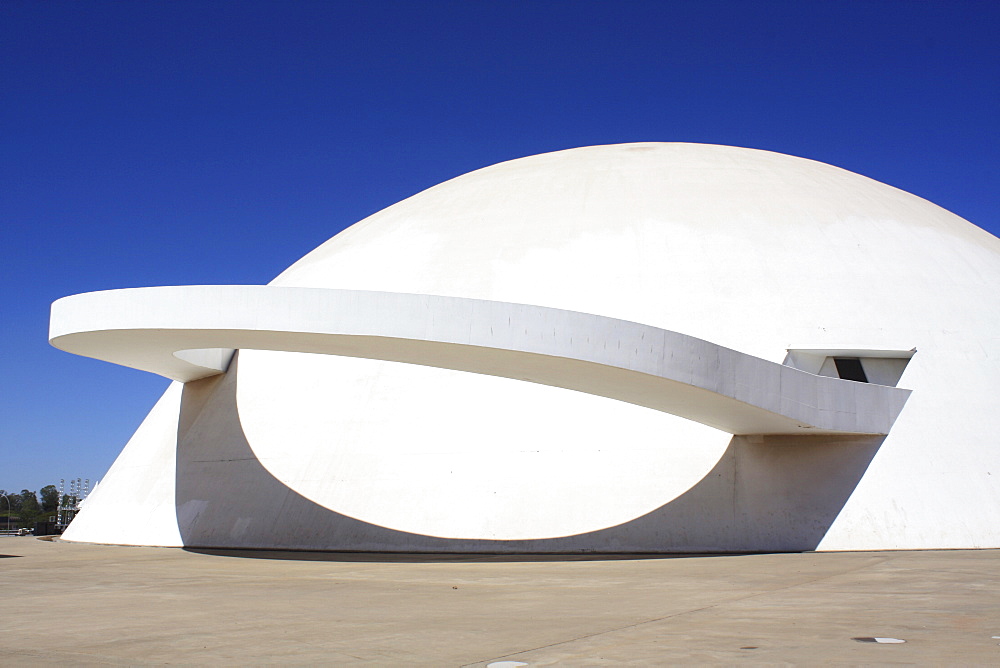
(755, 251)
(135, 503)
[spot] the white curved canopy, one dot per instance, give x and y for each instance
(186, 333)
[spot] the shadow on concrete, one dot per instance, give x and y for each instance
(779, 494)
(440, 557)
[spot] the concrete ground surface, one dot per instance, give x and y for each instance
(74, 604)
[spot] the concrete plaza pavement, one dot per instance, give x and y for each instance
(82, 605)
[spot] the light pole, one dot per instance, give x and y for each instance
(8, 512)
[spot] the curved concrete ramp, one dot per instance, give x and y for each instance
(189, 332)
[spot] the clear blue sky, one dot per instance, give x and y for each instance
(166, 143)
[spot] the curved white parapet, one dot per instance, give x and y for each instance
(189, 332)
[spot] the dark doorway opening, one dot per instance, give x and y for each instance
(849, 368)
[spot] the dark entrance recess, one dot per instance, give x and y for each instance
(849, 368)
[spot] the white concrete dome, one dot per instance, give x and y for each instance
(759, 252)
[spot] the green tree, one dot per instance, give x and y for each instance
(29, 503)
(50, 498)
(15, 501)
(8, 505)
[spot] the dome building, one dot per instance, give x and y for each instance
(630, 348)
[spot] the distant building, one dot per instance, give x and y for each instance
(633, 348)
